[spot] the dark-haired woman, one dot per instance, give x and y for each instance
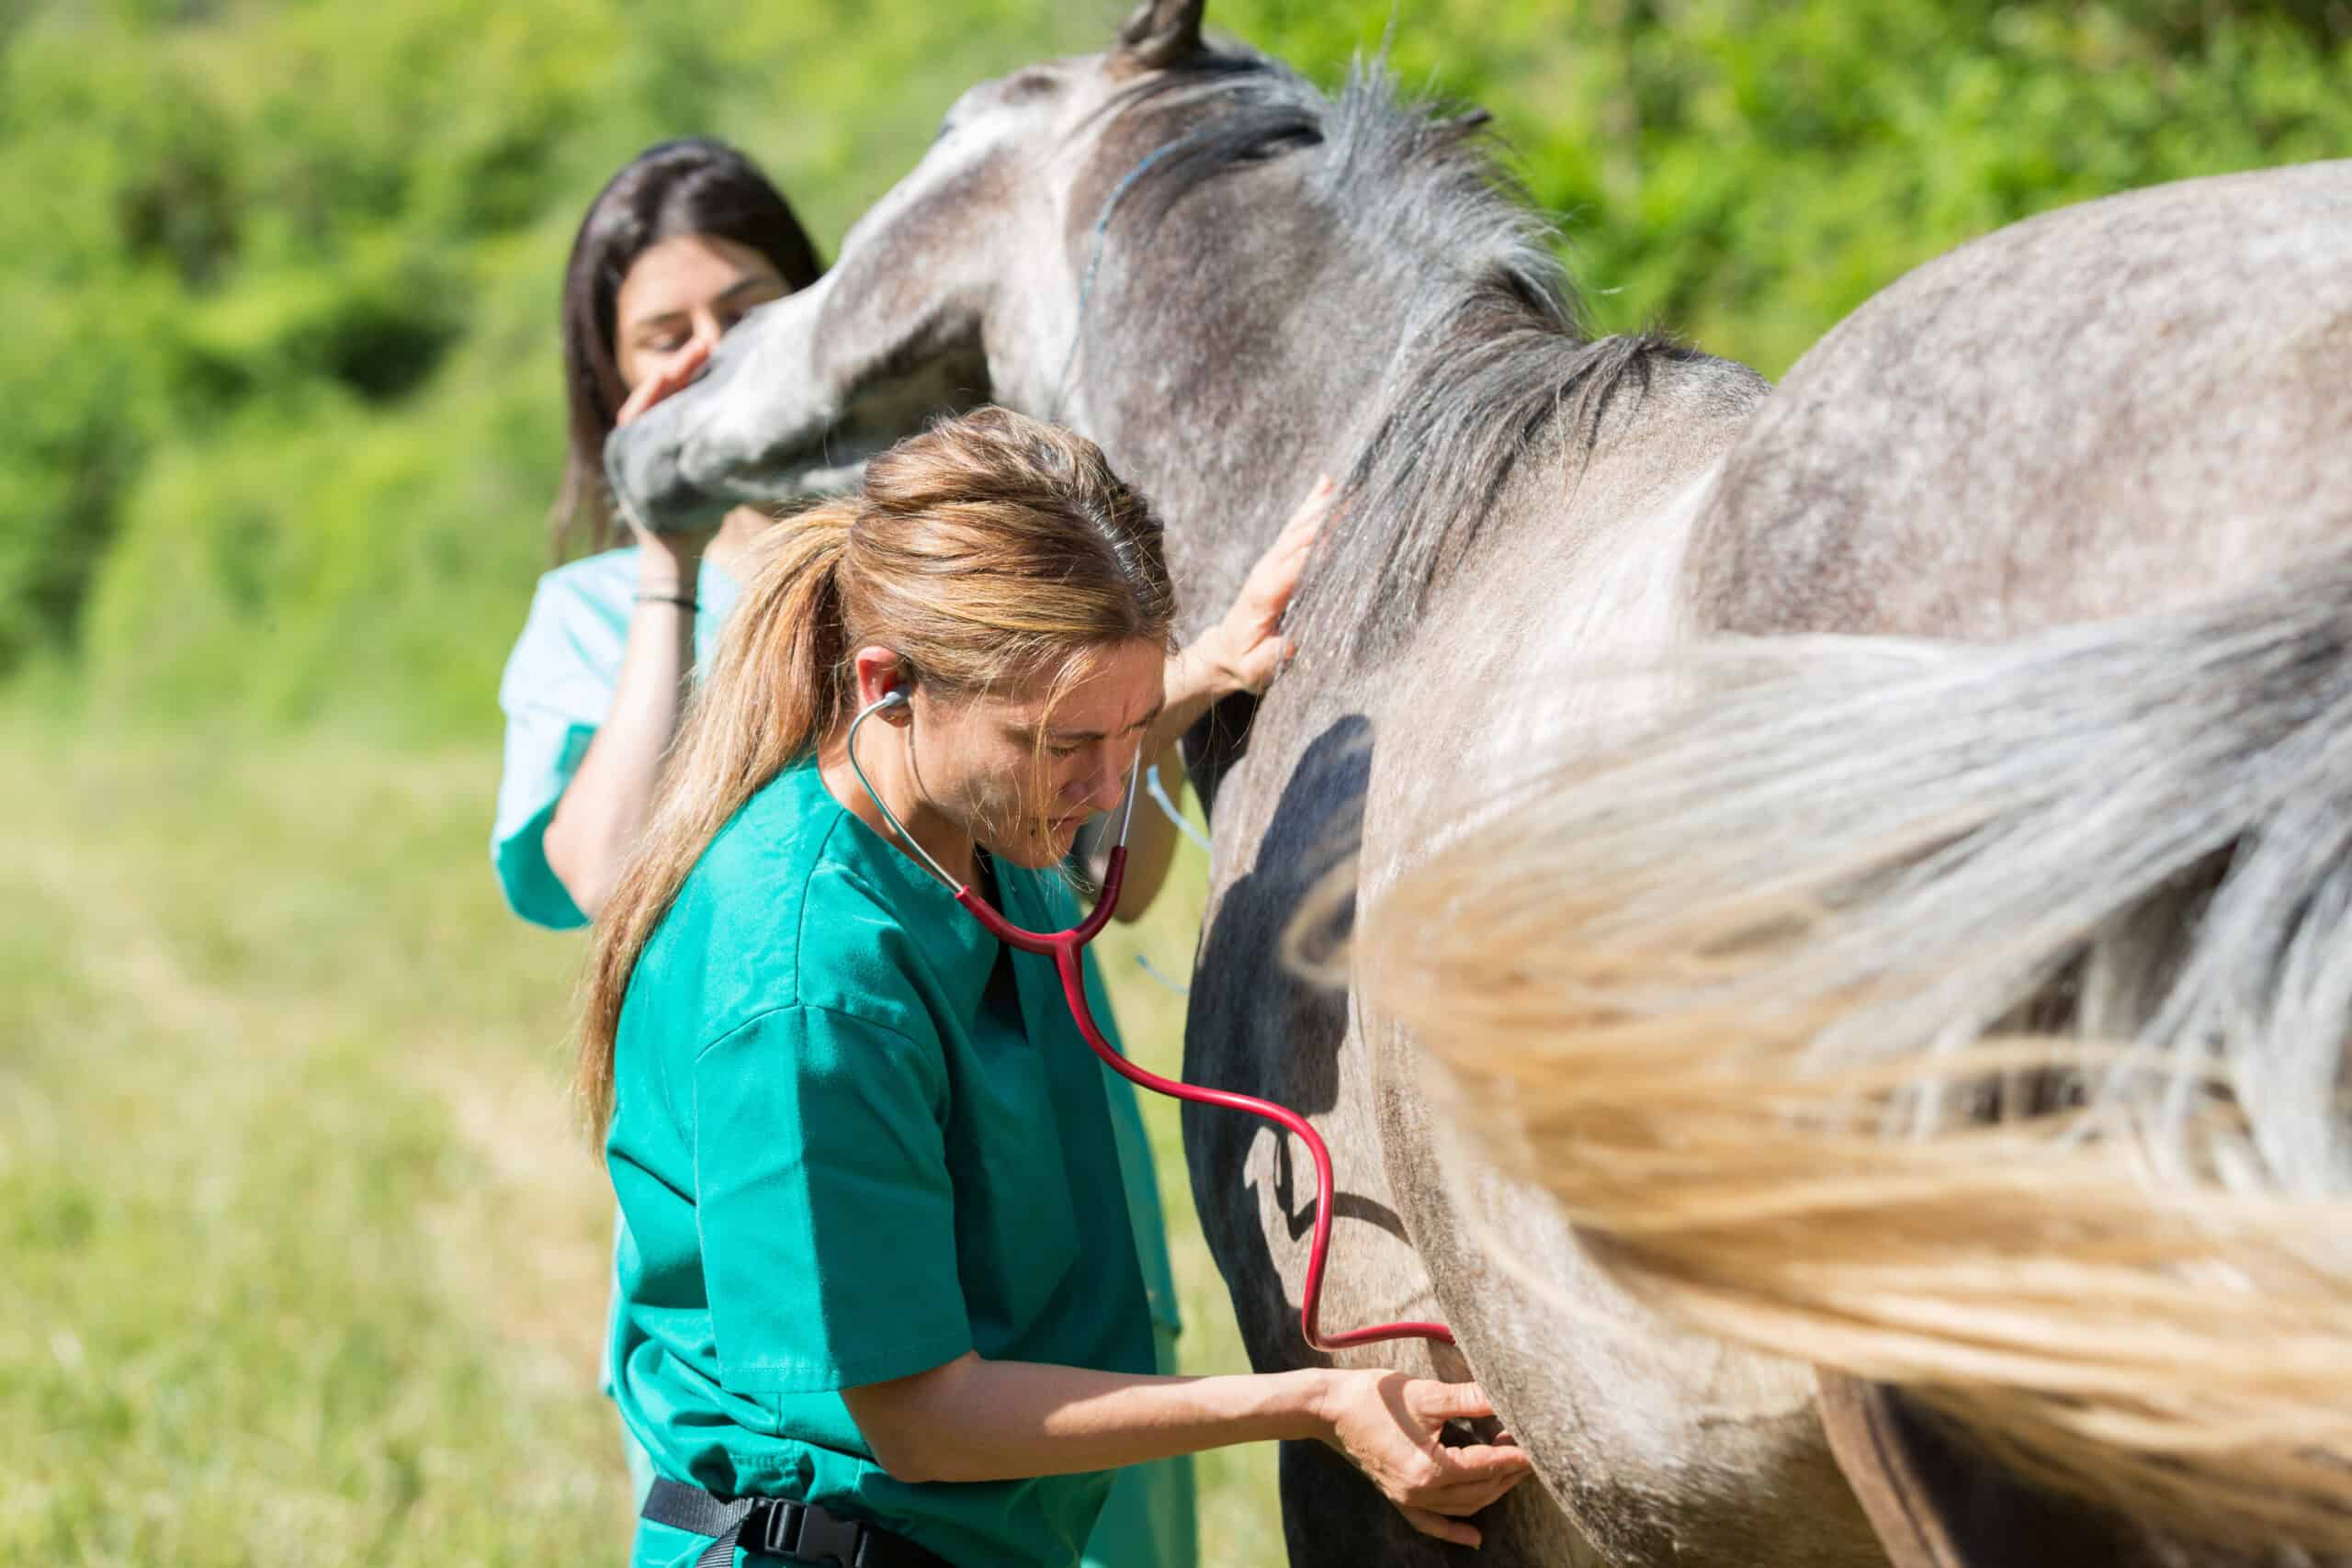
(679, 246)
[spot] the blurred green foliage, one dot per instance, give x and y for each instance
(280, 387)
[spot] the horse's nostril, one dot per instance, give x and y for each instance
(1027, 87)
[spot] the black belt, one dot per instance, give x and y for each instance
(780, 1526)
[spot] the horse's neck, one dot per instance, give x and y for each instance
(1246, 344)
(1233, 354)
(1549, 634)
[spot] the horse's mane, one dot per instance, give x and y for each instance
(1494, 353)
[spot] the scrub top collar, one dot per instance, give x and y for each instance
(958, 949)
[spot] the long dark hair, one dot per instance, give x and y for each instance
(695, 185)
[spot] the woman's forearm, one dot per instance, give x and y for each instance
(978, 1420)
(1196, 677)
(603, 808)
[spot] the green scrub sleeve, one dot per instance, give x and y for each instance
(543, 750)
(827, 1213)
(554, 695)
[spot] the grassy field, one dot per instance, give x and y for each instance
(304, 1262)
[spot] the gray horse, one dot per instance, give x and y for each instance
(1231, 282)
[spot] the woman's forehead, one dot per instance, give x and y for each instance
(1108, 692)
(685, 271)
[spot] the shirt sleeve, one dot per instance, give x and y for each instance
(555, 695)
(826, 1208)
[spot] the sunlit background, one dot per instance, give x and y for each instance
(300, 1257)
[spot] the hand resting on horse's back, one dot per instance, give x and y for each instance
(1245, 649)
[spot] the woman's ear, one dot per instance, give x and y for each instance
(881, 672)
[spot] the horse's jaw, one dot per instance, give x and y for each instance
(772, 422)
(877, 416)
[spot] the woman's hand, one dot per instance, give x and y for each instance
(670, 378)
(1246, 651)
(675, 556)
(1388, 1424)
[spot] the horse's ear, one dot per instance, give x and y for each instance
(1161, 33)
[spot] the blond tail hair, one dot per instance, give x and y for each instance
(1969, 1018)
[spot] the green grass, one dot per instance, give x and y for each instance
(304, 1263)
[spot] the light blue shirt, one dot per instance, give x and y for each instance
(558, 688)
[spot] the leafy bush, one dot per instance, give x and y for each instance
(281, 383)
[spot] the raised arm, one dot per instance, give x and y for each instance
(605, 806)
(1242, 652)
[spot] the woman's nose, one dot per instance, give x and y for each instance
(1085, 792)
(1108, 784)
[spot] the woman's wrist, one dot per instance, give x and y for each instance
(1201, 673)
(669, 565)
(1308, 1399)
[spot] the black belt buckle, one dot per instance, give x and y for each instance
(810, 1535)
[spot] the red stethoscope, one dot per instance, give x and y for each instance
(1063, 948)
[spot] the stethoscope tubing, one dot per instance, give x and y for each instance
(1063, 948)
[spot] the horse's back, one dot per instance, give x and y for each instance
(2109, 408)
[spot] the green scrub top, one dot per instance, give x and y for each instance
(557, 689)
(853, 1139)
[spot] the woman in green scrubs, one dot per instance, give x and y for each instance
(677, 248)
(877, 1263)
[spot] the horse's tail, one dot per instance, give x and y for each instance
(1972, 1018)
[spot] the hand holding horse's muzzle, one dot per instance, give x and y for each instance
(726, 441)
